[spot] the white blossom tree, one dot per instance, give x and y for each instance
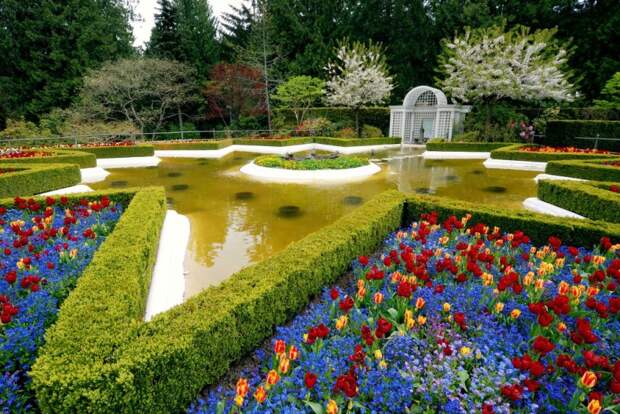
(358, 77)
(489, 64)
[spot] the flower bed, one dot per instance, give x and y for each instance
(339, 163)
(28, 179)
(455, 317)
(526, 152)
(16, 153)
(586, 169)
(55, 156)
(45, 246)
(589, 199)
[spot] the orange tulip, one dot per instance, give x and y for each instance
(260, 394)
(273, 377)
(588, 379)
(242, 387)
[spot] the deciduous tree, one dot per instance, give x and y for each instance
(299, 93)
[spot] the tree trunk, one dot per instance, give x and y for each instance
(357, 122)
(180, 121)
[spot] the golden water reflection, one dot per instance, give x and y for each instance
(236, 220)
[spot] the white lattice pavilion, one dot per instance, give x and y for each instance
(424, 114)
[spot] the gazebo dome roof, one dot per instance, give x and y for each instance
(424, 96)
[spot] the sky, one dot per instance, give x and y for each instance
(147, 8)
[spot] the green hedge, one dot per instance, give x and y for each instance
(274, 161)
(514, 153)
(564, 133)
(29, 179)
(537, 226)
(589, 199)
(588, 170)
(84, 160)
(193, 145)
(139, 150)
(355, 142)
(101, 357)
(79, 363)
(375, 116)
(466, 146)
(272, 142)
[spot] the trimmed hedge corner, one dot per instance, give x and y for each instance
(102, 313)
(537, 226)
(565, 133)
(138, 150)
(515, 152)
(84, 160)
(587, 170)
(593, 200)
(466, 146)
(356, 142)
(28, 179)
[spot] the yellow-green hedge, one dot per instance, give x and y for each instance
(586, 169)
(83, 159)
(515, 152)
(589, 199)
(138, 150)
(29, 179)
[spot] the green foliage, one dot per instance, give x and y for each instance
(28, 179)
(593, 200)
(355, 142)
(494, 122)
(610, 93)
(514, 152)
(471, 136)
(138, 150)
(346, 133)
(316, 126)
(298, 94)
(101, 357)
(564, 133)
(47, 46)
(464, 146)
(586, 169)
(223, 143)
(272, 142)
(537, 226)
(189, 131)
(197, 145)
(20, 129)
(339, 163)
(369, 131)
(83, 159)
(344, 117)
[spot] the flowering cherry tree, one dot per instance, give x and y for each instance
(358, 77)
(491, 64)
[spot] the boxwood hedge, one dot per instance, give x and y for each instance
(83, 159)
(565, 133)
(589, 199)
(193, 145)
(100, 357)
(219, 144)
(29, 179)
(515, 152)
(138, 150)
(587, 169)
(272, 142)
(466, 146)
(355, 142)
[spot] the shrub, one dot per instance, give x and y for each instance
(516, 152)
(565, 133)
(471, 136)
(587, 169)
(355, 142)
(121, 151)
(193, 145)
(83, 159)
(315, 126)
(339, 163)
(593, 200)
(369, 131)
(346, 133)
(345, 117)
(464, 146)
(272, 142)
(29, 179)
(172, 131)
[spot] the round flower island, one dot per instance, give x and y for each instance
(310, 168)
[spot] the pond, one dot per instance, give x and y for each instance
(236, 221)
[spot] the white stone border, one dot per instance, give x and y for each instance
(128, 162)
(264, 149)
(539, 206)
(305, 176)
(515, 165)
(555, 177)
(80, 188)
(455, 155)
(93, 175)
(168, 281)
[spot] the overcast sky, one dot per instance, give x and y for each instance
(147, 9)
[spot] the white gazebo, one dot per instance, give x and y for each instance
(424, 114)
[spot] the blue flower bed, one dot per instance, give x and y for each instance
(449, 317)
(44, 248)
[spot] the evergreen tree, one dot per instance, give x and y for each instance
(165, 39)
(47, 46)
(235, 28)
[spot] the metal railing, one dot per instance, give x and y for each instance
(596, 139)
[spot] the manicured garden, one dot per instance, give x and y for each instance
(450, 315)
(541, 153)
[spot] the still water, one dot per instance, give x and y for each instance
(236, 220)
